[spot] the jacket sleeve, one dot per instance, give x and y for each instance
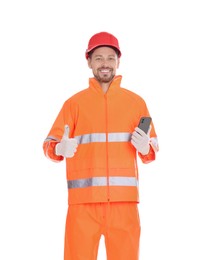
(65, 117)
(154, 147)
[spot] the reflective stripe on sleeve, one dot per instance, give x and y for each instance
(154, 143)
(101, 137)
(51, 138)
(102, 181)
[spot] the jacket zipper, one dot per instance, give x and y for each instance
(107, 155)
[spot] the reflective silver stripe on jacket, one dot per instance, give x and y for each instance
(102, 181)
(101, 137)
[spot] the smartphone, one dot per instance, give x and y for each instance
(145, 123)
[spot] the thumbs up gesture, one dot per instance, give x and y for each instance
(68, 146)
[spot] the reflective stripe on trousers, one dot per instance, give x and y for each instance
(102, 181)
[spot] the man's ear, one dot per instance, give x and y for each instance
(118, 63)
(89, 63)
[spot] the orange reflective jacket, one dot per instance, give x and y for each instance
(104, 168)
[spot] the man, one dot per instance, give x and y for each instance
(96, 132)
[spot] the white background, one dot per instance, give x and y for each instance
(42, 63)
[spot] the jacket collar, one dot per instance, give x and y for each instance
(114, 85)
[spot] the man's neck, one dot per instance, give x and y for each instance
(105, 86)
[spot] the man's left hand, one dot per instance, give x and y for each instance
(140, 140)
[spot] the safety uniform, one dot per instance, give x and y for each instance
(104, 168)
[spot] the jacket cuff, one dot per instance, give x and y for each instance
(151, 156)
(49, 151)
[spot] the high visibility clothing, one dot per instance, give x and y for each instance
(118, 222)
(104, 167)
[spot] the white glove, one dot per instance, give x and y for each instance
(141, 141)
(68, 146)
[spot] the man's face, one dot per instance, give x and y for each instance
(104, 62)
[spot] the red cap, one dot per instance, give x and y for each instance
(102, 39)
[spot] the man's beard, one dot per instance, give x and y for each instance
(105, 78)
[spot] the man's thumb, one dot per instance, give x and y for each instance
(66, 132)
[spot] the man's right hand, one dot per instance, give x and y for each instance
(68, 146)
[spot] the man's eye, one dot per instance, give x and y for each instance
(111, 58)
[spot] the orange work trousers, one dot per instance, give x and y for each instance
(118, 222)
